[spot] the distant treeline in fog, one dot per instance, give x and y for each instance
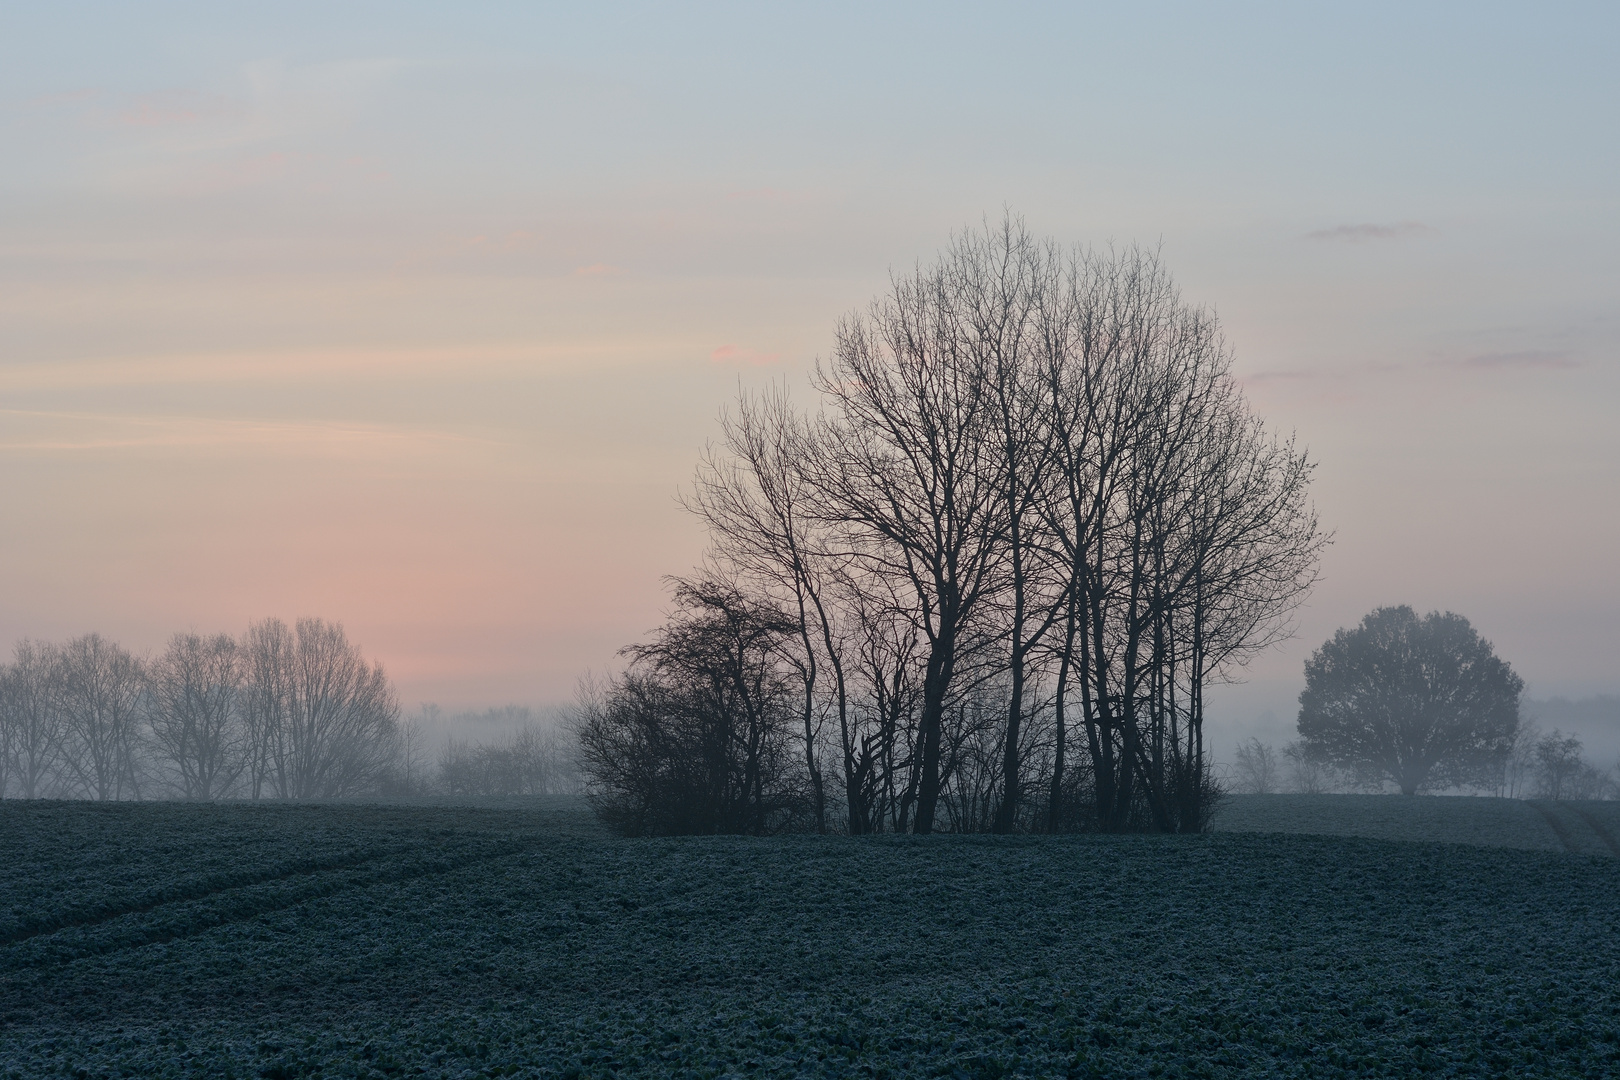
(278, 712)
(1541, 764)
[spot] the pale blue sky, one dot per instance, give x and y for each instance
(417, 316)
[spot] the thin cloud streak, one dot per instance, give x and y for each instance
(1357, 234)
(157, 432)
(734, 354)
(1529, 359)
(325, 366)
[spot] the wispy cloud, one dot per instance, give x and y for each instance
(1527, 359)
(735, 354)
(1356, 234)
(598, 270)
(35, 431)
(1522, 360)
(166, 110)
(1282, 376)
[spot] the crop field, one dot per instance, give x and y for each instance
(1585, 828)
(514, 939)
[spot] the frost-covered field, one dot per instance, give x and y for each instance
(512, 939)
(1585, 828)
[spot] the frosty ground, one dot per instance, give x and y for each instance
(516, 939)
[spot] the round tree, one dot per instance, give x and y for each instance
(1423, 702)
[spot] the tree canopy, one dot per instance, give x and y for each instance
(1423, 702)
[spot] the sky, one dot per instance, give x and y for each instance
(417, 317)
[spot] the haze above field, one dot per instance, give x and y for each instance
(417, 320)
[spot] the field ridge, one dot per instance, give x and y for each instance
(1559, 828)
(47, 952)
(1597, 827)
(200, 890)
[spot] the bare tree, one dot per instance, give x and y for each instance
(334, 735)
(193, 715)
(1563, 771)
(266, 704)
(412, 771)
(695, 737)
(32, 719)
(757, 503)
(1516, 768)
(1255, 768)
(1306, 775)
(911, 468)
(99, 688)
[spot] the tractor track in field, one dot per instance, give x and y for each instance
(201, 890)
(1597, 827)
(247, 907)
(1559, 828)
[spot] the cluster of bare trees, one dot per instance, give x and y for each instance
(280, 712)
(984, 587)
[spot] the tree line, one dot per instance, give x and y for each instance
(278, 712)
(983, 586)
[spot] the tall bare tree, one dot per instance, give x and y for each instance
(99, 687)
(910, 468)
(757, 502)
(266, 705)
(32, 718)
(193, 715)
(335, 736)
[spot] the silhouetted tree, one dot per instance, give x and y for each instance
(910, 469)
(1034, 520)
(1421, 702)
(696, 737)
(757, 502)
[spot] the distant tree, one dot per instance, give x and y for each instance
(1564, 773)
(411, 775)
(336, 720)
(1255, 769)
(32, 719)
(266, 705)
(1518, 766)
(531, 761)
(1422, 702)
(1306, 775)
(193, 716)
(99, 688)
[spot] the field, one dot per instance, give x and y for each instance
(1584, 828)
(515, 939)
